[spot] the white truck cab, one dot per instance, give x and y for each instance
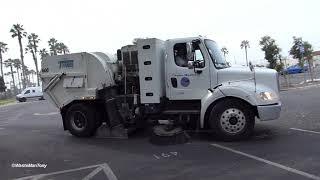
(30, 93)
(185, 81)
(212, 78)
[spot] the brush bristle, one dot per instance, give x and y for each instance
(179, 137)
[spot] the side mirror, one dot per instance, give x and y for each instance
(190, 65)
(197, 64)
(194, 64)
(119, 56)
(190, 52)
(251, 66)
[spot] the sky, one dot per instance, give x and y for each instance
(101, 25)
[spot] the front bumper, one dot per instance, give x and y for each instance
(269, 112)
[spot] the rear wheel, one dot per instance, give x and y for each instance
(81, 120)
(232, 119)
(22, 99)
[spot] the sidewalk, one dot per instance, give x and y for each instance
(301, 85)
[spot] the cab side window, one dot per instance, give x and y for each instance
(27, 92)
(180, 54)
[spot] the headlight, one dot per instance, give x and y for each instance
(267, 95)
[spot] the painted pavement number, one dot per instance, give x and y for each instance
(165, 155)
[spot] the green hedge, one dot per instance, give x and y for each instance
(6, 101)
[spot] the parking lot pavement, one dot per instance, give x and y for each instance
(31, 133)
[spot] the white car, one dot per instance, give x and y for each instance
(30, 93)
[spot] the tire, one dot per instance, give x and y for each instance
(41, 98)
(81, 120)
(22, 100)
(232, 120)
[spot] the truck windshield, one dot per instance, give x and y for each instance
(215, 54)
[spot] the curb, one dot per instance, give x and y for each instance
(300, 87)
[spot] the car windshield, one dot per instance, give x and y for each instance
(215, 54)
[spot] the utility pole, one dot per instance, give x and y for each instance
(301, 48)
(284, 73)
(304, 72)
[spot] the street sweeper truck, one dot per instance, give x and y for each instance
(168, 86)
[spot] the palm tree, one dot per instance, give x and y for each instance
(2, 85)
(18, 31)
(9, 64)
(3, 49)
(53, 46)
(26, 70)
(32, 47)
(225, 51)
(32, 72)
(62, 48)
(43, 53)
(245, 44)
(12, 87)
(17, 65)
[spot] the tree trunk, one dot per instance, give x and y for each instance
(32, 75)
(246, 56)
(37, 73)
(22, 62)
(36, 62)
(19, 81)
(14, 83)
(1, 64)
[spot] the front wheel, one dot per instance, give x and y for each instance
(232, 119)
(81, 120)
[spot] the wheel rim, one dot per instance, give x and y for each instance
(78, 121)
(232, 121)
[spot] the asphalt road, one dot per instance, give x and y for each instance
(31, 133)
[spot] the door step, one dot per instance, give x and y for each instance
(174, 111)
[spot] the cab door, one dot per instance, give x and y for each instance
(27, 93)
(184, 81)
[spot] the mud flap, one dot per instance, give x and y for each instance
(114, 117)
(113, 127)
(118, 132)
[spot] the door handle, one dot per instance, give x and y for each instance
(174, 82)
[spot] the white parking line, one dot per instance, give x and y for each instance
(93, 173)
(305, 174)
(304, 130)
(45, 114)
(4, 124)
